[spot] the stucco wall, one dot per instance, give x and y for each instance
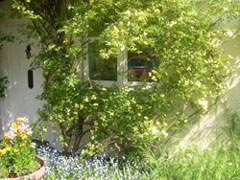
(216, 124)
(20, 99)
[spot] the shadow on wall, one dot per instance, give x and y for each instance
(206, 130)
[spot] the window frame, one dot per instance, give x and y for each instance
(122, 70)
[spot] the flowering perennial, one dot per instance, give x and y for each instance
(17, 154)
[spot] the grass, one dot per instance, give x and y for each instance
(193, 163)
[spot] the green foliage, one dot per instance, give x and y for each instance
(195, 163)
(3, 83)
(125, 120)
(220, 161)
(189, 76)
(4, 36)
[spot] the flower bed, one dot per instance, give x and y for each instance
(17, 153)
(95, 168)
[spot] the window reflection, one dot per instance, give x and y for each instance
(99, 68)
(139, 67)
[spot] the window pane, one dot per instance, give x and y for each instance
(101, 69)
(139, 66)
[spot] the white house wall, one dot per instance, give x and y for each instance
(20, 99)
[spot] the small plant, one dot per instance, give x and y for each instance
(17, 154)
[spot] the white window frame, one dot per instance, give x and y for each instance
(122, 70)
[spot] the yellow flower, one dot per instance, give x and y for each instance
(6, 149)
(81, 106)
(66, 41)
(95, 104)
(22, 144)
(16, 150)
(93, 97)
(14, 125)
(86, 99)
(154, 78)
(165, 124)
(2, 151)
(19, 119)
(5, 135)
(44, 129)
(76, 105)
(146, 118)
(74, 24)
(5, 142)
(154, 72)
(23, 136)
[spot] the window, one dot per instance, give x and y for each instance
(139, 67)
(127, 69)
(99, 68)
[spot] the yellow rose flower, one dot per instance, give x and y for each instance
(93, 97)
(75, 112)
(81, 106)
(66, 41)
(86, 99)
(76, 105)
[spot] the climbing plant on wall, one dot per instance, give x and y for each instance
(3, 83)
(188, 77)
(3, 38)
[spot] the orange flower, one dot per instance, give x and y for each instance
(5, 142)
(23, 136)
